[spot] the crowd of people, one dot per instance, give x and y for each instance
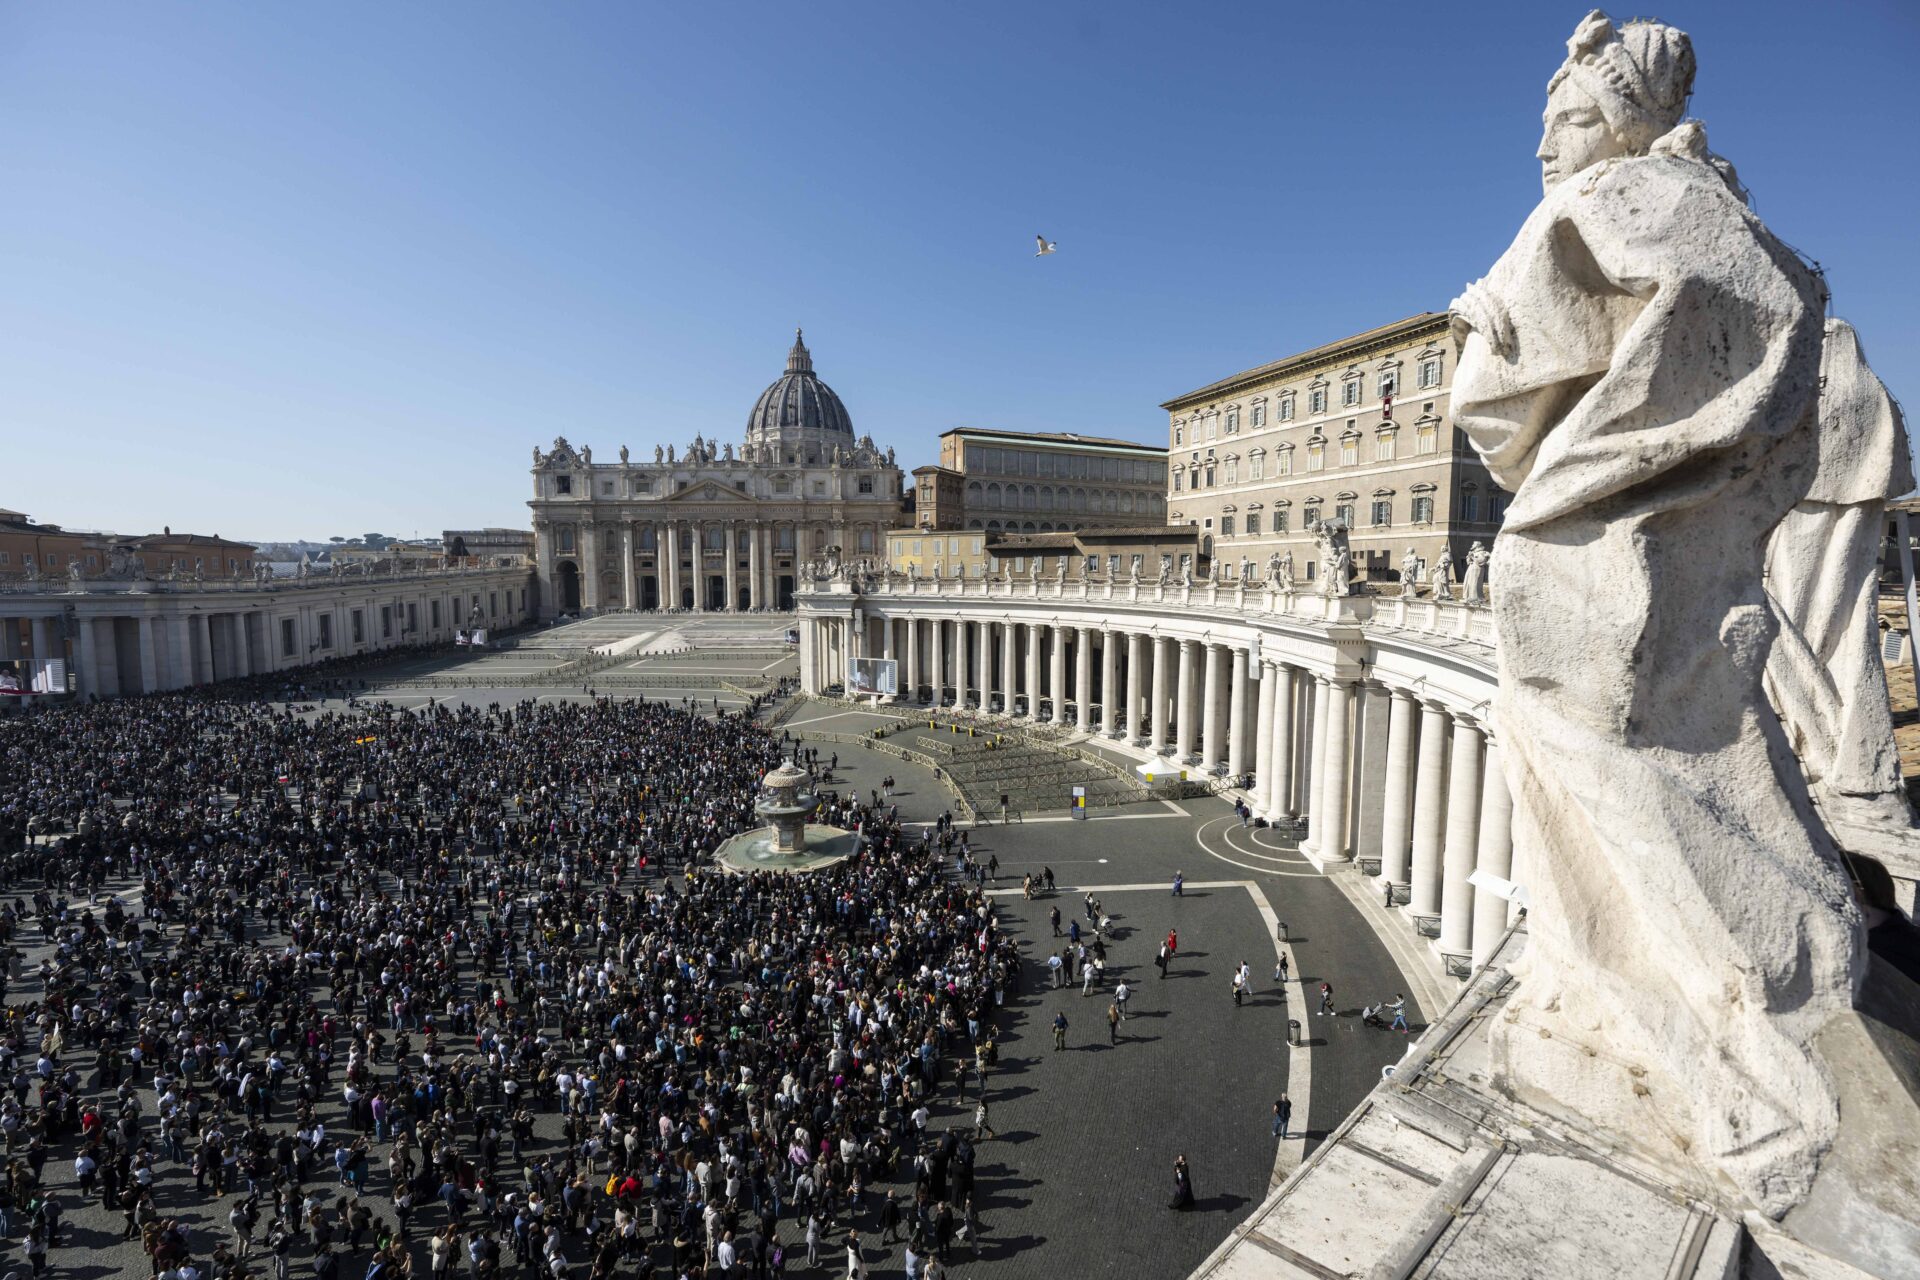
(461, 987)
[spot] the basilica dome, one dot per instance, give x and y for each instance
(799, 407)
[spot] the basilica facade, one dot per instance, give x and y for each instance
(714, 527)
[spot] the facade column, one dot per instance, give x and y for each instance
(43, 639)
(1010, 665)
(757, 568)
(809, 673)
(589, 571)
(1429, 810)
(1280, 798)
(626, 565)
(697, 535)
(149, 668)
(1396, 802)
(1162, 656)
(1237, 715)
(179, 655)
(1184, 709)
(730, 530)
(89, 682)
(1332, 843)
(1083, 678)
(1463, 839)
(667, 563)
(1494, 856)
(1263, 740)
(1136, 670)
(939, 659)
(1109, 682)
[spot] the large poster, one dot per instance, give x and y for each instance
(474, 639)
(875, 677)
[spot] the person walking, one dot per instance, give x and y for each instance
(1282, 1116)
(981, 1128)
(1179, 884)
(1182, 1185)
(1053, 918)
(1059, 1031)
(1326, 999)
(1160, 961)
(1399, 1006)
(1121, 994)
(1113, 1023)
(856, 1261)
(1280, 973)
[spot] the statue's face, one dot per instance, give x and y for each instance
(1576, 135)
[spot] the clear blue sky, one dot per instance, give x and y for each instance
(294, 270)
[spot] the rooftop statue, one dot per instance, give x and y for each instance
(1641, 370)
(1409, 574)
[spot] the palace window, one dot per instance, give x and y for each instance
(1258, 464)
(1253, 523)
(1283, 464)
(1388, 382)
(1286, 407)
(1383, 447)
(1210, 479)
(606, 488)
(1382, 511)
(783, 486)
(1233, 468)
(566, 539)
(1233, 421)
(1259, 418)
(1423, 508)
(563, 484)
(1349, 450)
(1350, 392)
(1427, 438)
(1317, 400)
(1430, 372)
(1470, 504)
(1496, 509)
(1316, 455)
(1226, 526)
(1179, 480)
(1280, 521)
(1343, 512)
(1311, 519)
(1179, 435)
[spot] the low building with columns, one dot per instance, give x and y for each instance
(714, 528)
(1363, 717)
(133, 634)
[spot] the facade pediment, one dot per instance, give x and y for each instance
(709, 491)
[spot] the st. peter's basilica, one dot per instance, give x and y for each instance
(714, 527)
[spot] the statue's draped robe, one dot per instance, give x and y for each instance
(1641, 369)
(1823, 563)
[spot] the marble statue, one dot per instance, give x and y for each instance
(1186, 576)
(1336, 560)
(1166, 570)
(536, 455)
(33, 570)
(1409, 574)
(1443, 575)
(669, 455)
(75, 574)
(1641, 369)
(1273, 569)
(913, 572)
(1060, 574)
(1284, 577)
(586, 455)
(727, 453)
(659, 455)
(623, 455)
(1473, 587)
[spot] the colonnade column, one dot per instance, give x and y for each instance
(1009, 655)
(757, 569)
(1463, 839)
(913, 659)
(1331, 841)
(1316, 737)
(1083, 679)
(1213, 678)
(626, 564)
(242, 655)
(1034, 631)
(1237, 715)
(1280, 768)
(149, 667)
(1162, 649)
(809, 674)
(1057, 675)
(1109, 679)
(1183, 710)
(937, 657)
(1396, 801)
(1263, 742)
(203, 642)
(1136, 661)
(1429, 809)
(1494, 856)
(89, 682)
(983, 661)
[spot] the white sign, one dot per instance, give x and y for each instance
(873, 677)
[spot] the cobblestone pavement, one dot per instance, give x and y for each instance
(1078, 1179)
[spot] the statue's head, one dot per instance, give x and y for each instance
(1619, 90)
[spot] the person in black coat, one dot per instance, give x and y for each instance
(1182, 1185)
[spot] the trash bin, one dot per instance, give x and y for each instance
(1293, 1032)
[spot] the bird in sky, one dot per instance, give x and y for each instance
(1046, 246)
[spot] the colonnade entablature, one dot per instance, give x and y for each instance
(1362, 719)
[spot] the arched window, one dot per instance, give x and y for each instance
(1126, 502)
(974, 492)
(1046, 497)
(1112, 502)
(1179, 434)
(1029, 498)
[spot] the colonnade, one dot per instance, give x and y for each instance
(1378, 771)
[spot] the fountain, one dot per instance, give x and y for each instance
(789, 842)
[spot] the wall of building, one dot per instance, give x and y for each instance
(1044, 481)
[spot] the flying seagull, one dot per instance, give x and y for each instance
(1046, 246)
